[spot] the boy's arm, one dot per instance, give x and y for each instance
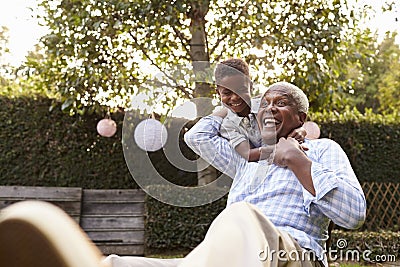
(203, 139)
(246, 152)
(253, 154)
(222, 112)
(230, 131)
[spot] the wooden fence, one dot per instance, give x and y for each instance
(383, 206)
(113, 219)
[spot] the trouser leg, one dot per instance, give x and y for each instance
(242, 236)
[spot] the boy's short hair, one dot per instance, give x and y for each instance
(231, 67)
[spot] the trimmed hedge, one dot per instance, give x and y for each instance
(177, 228)
(369, 140)
(43, 148)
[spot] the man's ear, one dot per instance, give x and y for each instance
(302, 117)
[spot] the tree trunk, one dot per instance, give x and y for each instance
(201, 64)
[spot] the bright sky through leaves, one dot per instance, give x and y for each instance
(24, 31)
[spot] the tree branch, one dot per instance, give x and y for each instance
(228, 32)
(183, 40)
(151, 60)
(180, 87)
(153, 63)
(147, 55)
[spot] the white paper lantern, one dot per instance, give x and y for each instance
(106, 127)
(313, 131)
(150, 135)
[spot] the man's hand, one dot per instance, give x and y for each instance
(289, 153)
(287, 150)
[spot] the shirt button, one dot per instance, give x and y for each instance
(246, 121)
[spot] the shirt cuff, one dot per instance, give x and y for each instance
(323, 181)
(236, 141)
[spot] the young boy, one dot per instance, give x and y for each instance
(240, 126)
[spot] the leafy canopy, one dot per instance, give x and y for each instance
(99, 53)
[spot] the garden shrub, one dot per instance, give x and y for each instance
(170, 227)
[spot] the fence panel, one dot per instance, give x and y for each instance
(383, 206)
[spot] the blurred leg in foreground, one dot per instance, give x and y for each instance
(39, 234)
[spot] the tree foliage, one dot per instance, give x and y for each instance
(17, 81)
(389, 81)
(3, 51)
(98, 53)
(3, 41)
(376, 78)
(7, 82)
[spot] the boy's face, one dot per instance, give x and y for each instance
(235, 93)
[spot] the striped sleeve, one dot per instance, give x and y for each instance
(204, 140)
(338, 193)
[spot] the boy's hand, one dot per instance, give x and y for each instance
(299, 134)
(221, 112)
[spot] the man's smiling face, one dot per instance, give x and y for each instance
(278, 114)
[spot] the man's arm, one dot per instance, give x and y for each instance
(289, 154)
(203, 139)
(329, 182)
(339, 193)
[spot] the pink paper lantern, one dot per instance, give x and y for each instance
(106, 127)
(313, 131)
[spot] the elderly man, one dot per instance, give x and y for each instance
(281, 207)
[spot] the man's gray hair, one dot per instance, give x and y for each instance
(298, 95)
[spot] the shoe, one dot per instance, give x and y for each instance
(39, 234)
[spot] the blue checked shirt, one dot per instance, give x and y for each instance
(277, 192)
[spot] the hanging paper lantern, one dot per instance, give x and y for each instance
(150, 135)
(106, 127)
(313, 131)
